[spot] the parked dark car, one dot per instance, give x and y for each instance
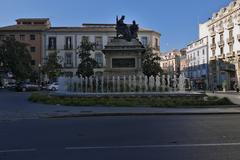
(23, 87)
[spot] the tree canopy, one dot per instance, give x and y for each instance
(151, 63)
(15, 58)
(87, 64)
(52, 67)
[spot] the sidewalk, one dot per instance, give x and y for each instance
(232, 95)
(15, 106)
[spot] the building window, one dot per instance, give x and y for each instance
(230, 48)
(110, 39)
(33, 49)
(144, 41)
(22, 37)
(12, 37)
(68, 60)
(32, 37)
(33, 62)
(203, 52)
(221, 50)
(52, 43)
(99, 43)
(99, 59)
(68, 43)
(230, 33)
(1, 37)
(27, 23)
(213, 40)
(213, 52)
(85, 38)
(221, 37)
(156, 43)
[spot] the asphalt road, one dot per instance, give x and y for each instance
(123, 138)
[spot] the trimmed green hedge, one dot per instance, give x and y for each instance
(129, 102)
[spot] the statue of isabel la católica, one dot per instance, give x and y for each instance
(127, 32)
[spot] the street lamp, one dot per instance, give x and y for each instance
(39, 74)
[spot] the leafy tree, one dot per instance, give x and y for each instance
(15, 58)
(52, 67)
(151, 64)
(87, 64)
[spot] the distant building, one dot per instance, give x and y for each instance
(223, 34)
(29, 31)
(170, 63)
(183, 62)
(197, 59)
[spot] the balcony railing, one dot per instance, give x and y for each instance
(68, 47)
(213, 58)
(213, 46)
(238, 37)
(66, 65)
(238, 52)
(212, 33)
(222, 56)
(231, 54)
(230, 25)
(230, 40)
(221, 43)
(52, 47)
(227, 67)
(220, 30)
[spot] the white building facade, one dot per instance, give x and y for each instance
(66, 40)
(170, 63)
(223, 33)
(197, 59)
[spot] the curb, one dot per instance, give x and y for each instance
(141, 114)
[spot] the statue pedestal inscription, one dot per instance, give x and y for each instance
(123, 57)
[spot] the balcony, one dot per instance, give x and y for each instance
(68, 47)
(213, 46)
(238, 21)
(221, 30)
(212, 33)
(238, 37)
(222, 56)
(221, 43)
(227, 67)
(52, 48)
(230, 40)
(66, 65)
(213, 58)
(230, 55)
(230, 25)
(238, 52)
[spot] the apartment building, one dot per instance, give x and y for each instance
(170, 62)
(223, 33)
(29, 31)
(197, 59)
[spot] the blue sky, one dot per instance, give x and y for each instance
(176, 20)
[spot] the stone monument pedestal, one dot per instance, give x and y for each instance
(123, 57)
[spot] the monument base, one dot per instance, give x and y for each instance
(123, 57)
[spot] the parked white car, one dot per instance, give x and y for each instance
(53, 86)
